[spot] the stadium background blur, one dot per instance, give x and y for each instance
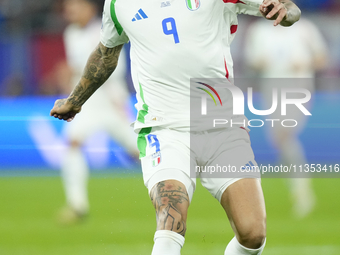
(121, 219)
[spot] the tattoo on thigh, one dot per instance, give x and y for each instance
(170, 221)
(166, 200)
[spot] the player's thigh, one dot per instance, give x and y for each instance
(244, 204)
(165, 155)
(239, 192)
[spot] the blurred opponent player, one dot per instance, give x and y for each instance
(105, 111)
(171, 42)
(302, 51)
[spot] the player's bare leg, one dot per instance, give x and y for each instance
(75, 177)
(244, 204)
(171, 202)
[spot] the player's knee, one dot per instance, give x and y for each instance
(254, 236)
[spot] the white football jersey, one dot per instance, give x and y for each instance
(172, 41)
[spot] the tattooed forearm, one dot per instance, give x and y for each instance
(100, 65)
(81, 94)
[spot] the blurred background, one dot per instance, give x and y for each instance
(121, 219)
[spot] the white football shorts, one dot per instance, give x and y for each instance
(167, 154)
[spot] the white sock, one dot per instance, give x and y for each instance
(235, 248)
(75, 175)
(167, 243)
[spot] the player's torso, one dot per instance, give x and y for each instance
(171, 42)
(182, 34)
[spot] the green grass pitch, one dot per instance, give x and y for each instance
(122, 219)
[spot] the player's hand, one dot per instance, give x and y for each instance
(274, 10)
(64, 110)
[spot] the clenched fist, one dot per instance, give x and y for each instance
(64, 110)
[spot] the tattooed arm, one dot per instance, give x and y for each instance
(284, 12)
(100, 65)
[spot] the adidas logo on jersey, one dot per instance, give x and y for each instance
(165, 4)
(140, 15)
(248, 166)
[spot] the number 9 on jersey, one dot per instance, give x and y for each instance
(169, 28)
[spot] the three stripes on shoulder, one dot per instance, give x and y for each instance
(140, 15)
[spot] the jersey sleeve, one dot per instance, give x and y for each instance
(248, 7)
(231, 21)
(112, 33)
